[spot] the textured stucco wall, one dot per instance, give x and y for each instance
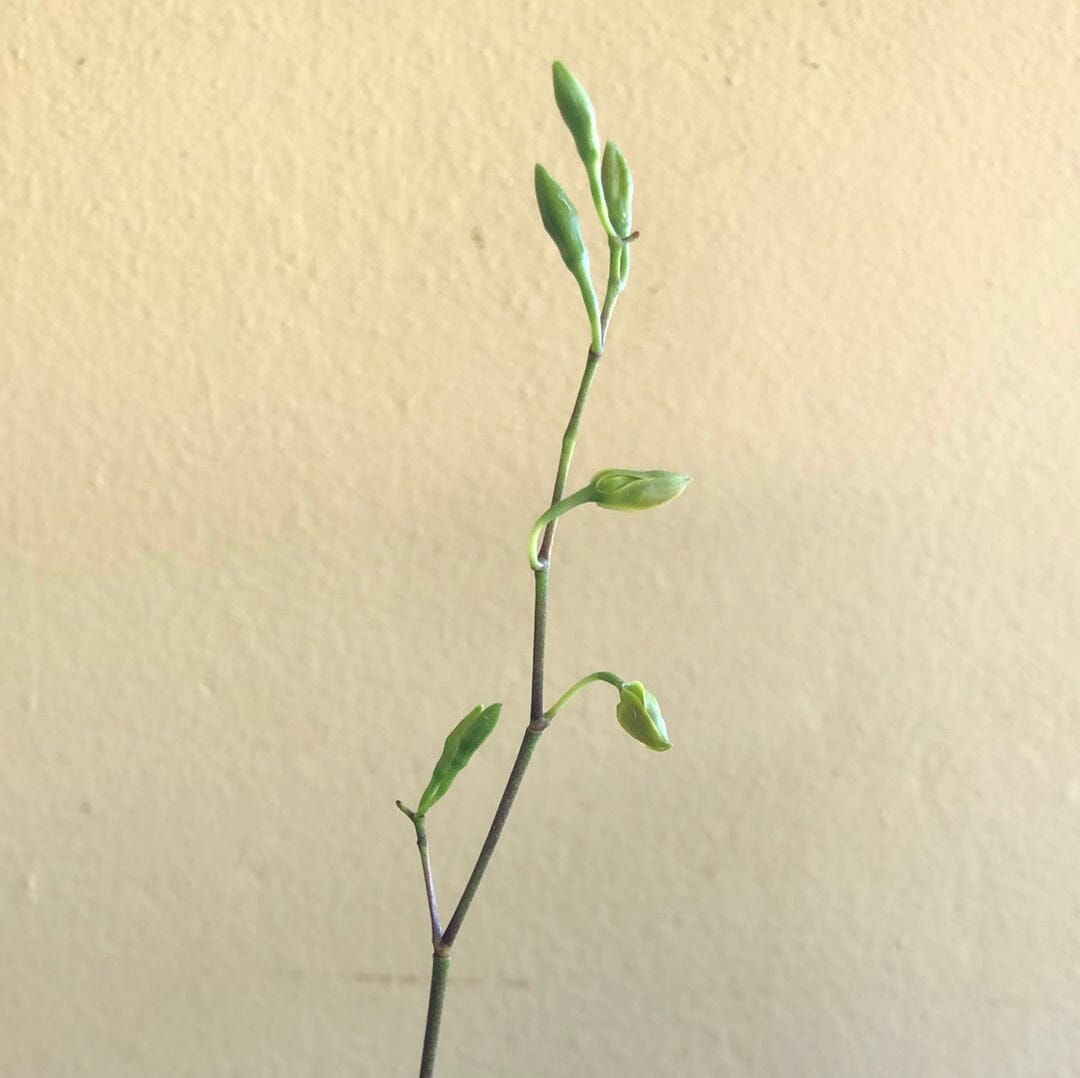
(285, 360)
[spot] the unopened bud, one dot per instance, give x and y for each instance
(639, 715)
(618, 189)
(460, 744)
(628, 491)
(577, 112)
(560, 219)
(564, 226)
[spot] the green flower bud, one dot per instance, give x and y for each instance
(639, 715)
(564, 226)
(580, 118)
(618, 189)
(577, 112)
(460, 744)
(617, 488)
(560, 220)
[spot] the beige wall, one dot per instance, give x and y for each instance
(286, 356)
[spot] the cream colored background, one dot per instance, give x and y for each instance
(286, 356)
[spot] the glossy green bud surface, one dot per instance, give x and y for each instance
(564, 226)
(628, 491)
(577, 112)
(561, 220)
(460, 744)
(618, 189)
(639, 715)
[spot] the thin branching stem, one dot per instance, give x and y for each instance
(538, 722)
(419, 826)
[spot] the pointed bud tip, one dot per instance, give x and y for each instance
(577, 111)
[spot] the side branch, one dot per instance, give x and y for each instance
(429, 879)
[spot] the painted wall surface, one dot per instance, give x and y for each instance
(285, 361)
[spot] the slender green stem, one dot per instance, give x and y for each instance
(569, 440)
(600, 675)
(538, 722)
(591, 308)
(513, 783)
(596, 189)
(440, 969)
(429, 881)
(418, 823)
(579, 497)
(539, 650)
(616, 282)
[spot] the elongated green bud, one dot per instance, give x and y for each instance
(564, 226)
(560, 220)
(628, 491)
(460, 744)
(618, 189)
(577, 112)
(639, 715)
(580, 117)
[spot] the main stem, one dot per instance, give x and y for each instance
(440, 970)
(440, 966)
(537, 722)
